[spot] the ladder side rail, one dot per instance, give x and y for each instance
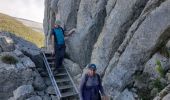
(72, 81)
(57, 91)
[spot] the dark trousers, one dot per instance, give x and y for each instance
(59, 54)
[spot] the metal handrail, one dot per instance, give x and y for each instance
(72, 81)
(57, 91)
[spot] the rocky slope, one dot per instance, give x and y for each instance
(21, 75)
(124, 38)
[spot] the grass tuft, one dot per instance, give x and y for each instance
(160, 69)
(9, 59)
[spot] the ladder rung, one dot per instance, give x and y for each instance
(61, 68)
(65, 87)
(68, 94)
(50, 58)
(62, 80)
(51, 63)
(60, 74)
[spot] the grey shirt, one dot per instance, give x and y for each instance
(91, 81)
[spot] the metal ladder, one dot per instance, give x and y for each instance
(62, 82)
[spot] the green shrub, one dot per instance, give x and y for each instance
(160, 69)
(9, 59)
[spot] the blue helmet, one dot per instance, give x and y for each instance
(92, 66)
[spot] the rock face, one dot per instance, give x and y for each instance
(23, 91)
(122, 37)
(72, 67)
(141, 47)
(20, 76)
(150, 66)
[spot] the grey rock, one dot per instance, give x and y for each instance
(154, 92)
(168, 77)
(53, 5)
(113, 33)
(50, 90)
(34, 98)
(90, 20)
(23, 91)
(72, 67)
(157, 98)
(150, 66)
(39, 83)
(110, 5)
(11, 78)
(54, 97)
(140, 48)
(6, 44)
(49, 18)
(168, 44)
(18, 53)
(163, 93)
(27, 62)
(167, 97)
(67, 10)
(11, 98)
(20, 66)
(47, 81)
(114, 60)
(40, 93)
(46, 97)
(27, 48)
(126, 95)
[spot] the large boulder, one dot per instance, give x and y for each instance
(140, 48)
(11, 79)
(114, 31)
(23, 92)
(18, 73)
(90, 20)
(72, 67)
(34, 98)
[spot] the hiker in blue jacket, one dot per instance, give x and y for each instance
(58, 36)
(91, 85)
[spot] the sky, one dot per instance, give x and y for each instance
(27, 9)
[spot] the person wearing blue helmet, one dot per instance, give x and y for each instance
(91, 86)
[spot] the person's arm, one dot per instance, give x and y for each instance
(82, 84)
(70, 32)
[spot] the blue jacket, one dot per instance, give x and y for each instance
(58, 35)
